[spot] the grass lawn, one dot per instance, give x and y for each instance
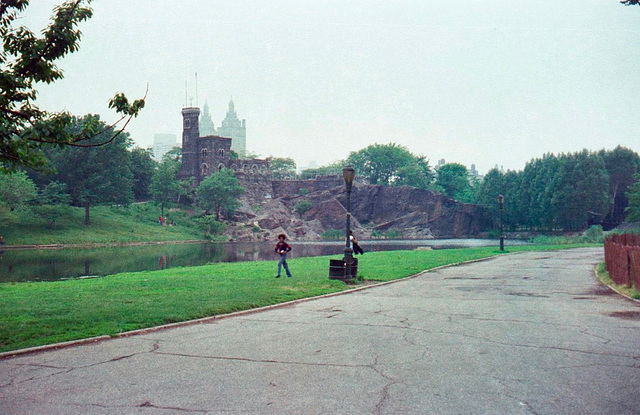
(109, 224)
(33, 314)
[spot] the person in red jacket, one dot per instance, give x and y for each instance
(282, 248)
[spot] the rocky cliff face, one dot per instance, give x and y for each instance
(402, 210)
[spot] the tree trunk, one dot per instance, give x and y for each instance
(86, 211)
(162, 209)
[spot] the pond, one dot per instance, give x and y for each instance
(56, 264)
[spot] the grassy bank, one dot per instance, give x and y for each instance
(604, 277)
(40, 313)
(109, 224)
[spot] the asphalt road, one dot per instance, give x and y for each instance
(532, 333)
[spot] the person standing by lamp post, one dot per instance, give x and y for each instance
(348, 173)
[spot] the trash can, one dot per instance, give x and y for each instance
(337, 269)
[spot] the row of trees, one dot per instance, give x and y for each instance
(565, 192)
(394, 165)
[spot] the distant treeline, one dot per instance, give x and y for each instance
(565, 192)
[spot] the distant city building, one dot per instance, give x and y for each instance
(162, 144)
(474, 174)
(206, 123)
(235, 129)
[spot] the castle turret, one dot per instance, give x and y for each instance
(190, 135)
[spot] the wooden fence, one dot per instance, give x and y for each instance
(622, 259)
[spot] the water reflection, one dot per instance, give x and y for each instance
(55, 264)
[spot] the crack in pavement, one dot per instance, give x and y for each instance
(65, 370)
(508, 393)
(481, 338)
(273, 361)
(385, 390)
(148, 404)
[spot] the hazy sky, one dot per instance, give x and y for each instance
(486, 82)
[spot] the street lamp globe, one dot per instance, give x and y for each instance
(348, 173)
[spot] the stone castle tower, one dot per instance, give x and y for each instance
(201, 156)
(235, 129)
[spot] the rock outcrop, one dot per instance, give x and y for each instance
(402, 211)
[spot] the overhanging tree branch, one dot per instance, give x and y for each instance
(26, 59)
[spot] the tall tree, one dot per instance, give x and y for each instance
(54, 193)
(332, 168)
(454, 179)
(633, 209)
(492, 185)
(28, 59)
(582, 190)
(165, 187)
(219, 193)
(380, 163)
(16, 189)
(142, 168)
(622, 164)
(512, 184)
(281, 168)
(95, 175)
(416, 173)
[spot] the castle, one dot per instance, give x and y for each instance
(202, 156)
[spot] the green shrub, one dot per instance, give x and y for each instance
(393, 235)
(594, 234)
(333, 234)
(211, 226)
(303, 206)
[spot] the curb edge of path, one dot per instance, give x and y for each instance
(211, 319)
(609, 286)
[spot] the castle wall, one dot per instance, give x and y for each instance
(258, 186)
(283, 188)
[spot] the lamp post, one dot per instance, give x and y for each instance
(501, 207)
(348, 173)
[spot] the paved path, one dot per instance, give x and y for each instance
(531, 333)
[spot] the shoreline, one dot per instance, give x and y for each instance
(101, 245)
(7, 247)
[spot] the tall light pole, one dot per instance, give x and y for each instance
(348, 173)
(501, 207)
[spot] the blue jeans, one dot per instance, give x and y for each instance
(283, 261)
